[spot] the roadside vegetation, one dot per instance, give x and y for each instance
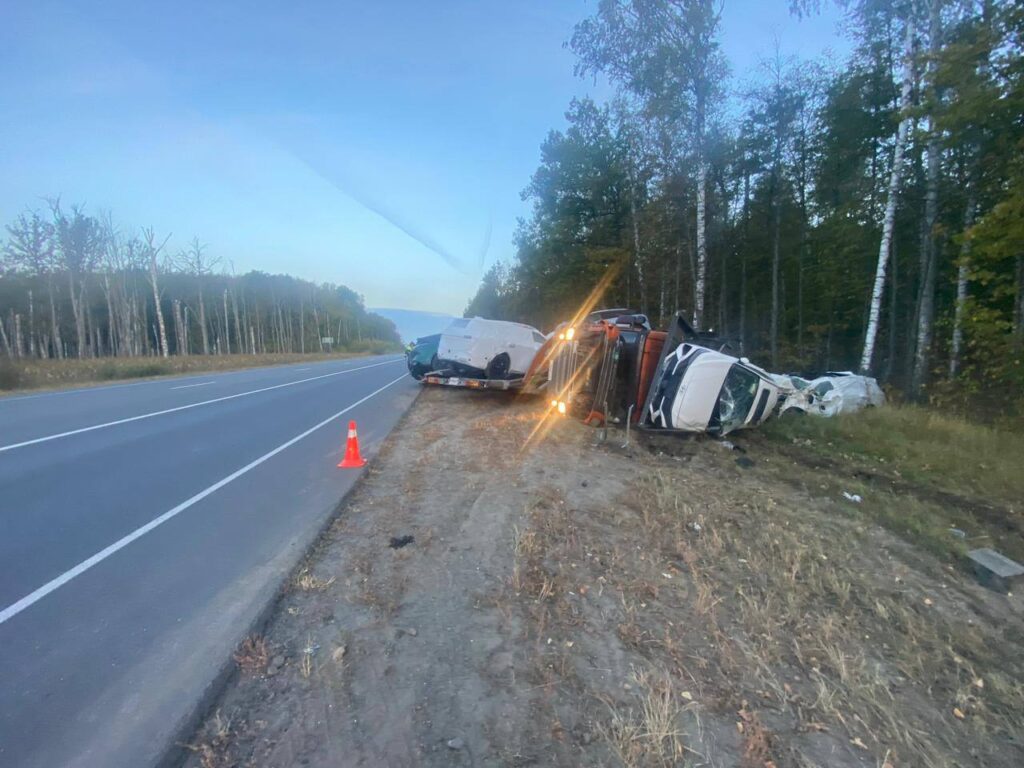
(16, 375)
(937, 479)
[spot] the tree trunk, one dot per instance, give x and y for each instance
(962, 274)
(76, 310)
(776, 235)
(702, 247)
(1018, 308)
(926, 316)
(31, 325)
(4, 340)
(227, 326)
(637, 257)
(161, 329)
(19, 340)
(239, 342)
(743, 260)
(202, 319)
(890, 203)
(58, 345)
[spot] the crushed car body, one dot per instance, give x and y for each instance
(830, 395)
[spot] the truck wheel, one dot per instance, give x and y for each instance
(499, 367)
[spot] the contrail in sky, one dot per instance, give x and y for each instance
(350, 189)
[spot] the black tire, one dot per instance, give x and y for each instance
(499, 367)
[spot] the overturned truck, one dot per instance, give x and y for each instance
(613, 368)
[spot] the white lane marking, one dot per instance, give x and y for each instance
(204, 383)
(34, 597)
(302, 369)
(79, 431)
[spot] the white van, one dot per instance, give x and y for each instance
(492, 349)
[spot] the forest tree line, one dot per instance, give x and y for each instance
(73, 285)
(868, 216)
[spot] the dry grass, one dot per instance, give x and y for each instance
(771, 606)
(307, 582)
(212, 750)
(252, 655)
(649, 732)
(42, 374)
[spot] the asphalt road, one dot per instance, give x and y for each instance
(144, 527)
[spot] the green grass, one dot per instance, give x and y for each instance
(920, 446)
(920, 473)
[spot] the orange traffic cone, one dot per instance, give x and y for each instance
(352, 458)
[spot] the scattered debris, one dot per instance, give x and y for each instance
(275, 666)
(456, 743)
(993, 569)
(397, 542)
(854, 497)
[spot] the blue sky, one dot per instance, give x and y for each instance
(328, 140)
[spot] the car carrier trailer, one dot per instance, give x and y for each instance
(443, 379)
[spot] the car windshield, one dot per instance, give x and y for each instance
(737, 397)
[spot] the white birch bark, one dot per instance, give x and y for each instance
(962, 274)
(702, 248)
(888, 220)
(160, 326)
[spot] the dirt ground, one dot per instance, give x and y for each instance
(569, 602)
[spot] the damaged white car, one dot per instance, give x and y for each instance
(829, 395)
(700, 390)
(489, 349)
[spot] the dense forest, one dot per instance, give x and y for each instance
(75, 285)
(865, 215)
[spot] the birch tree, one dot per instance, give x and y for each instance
(892, 197)
(152, 251)
(666, 52)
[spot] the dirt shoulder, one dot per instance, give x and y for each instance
(576, 603)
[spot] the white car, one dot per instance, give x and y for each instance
(492, 349)
(829, 395)
(697, 389)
